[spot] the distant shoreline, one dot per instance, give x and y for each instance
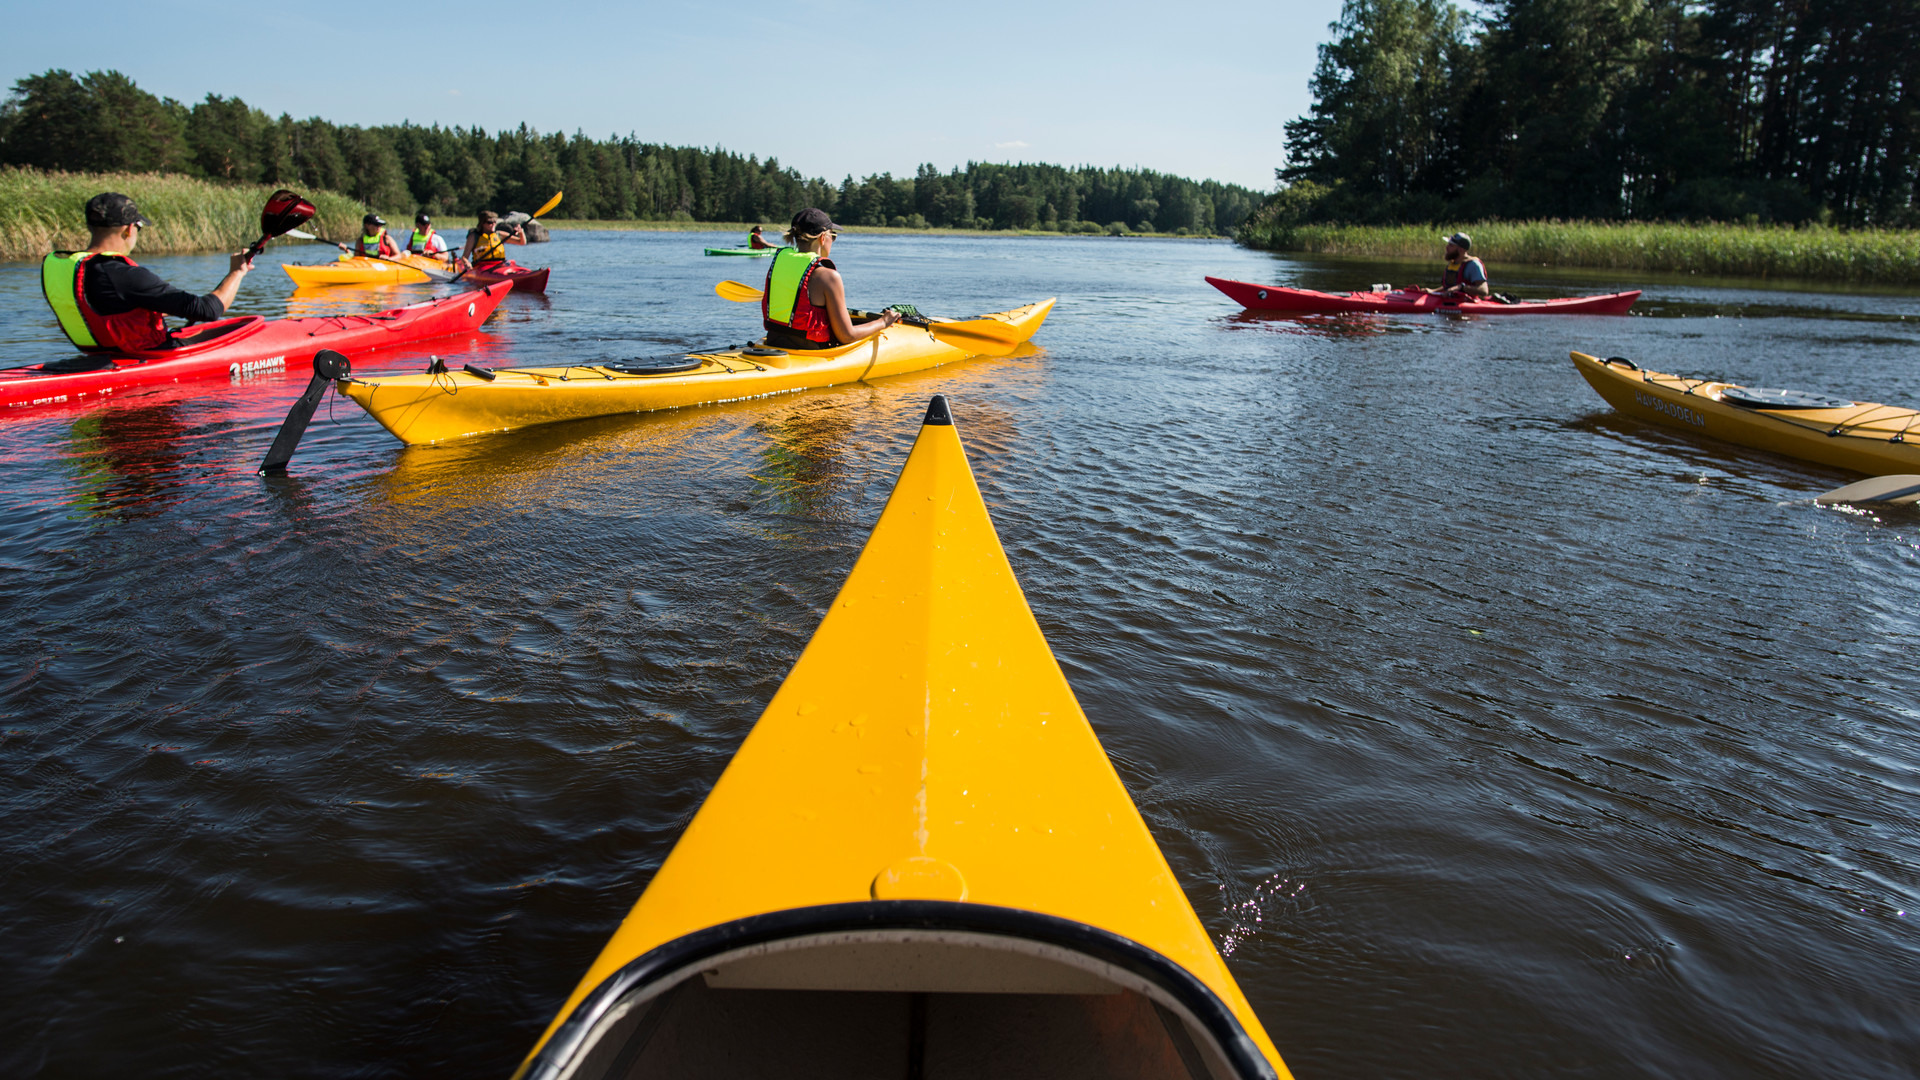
(1811, 253)
(772, 230)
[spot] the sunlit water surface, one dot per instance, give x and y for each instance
(1491, 733)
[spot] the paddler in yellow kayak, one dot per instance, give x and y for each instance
(486, 244)
(1465, 277)
(374, 241)
(425, 240)
(107, 302)
(805, 303)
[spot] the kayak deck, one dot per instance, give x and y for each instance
(751, 252)
(920, 861)
(1279, 298)
(434, 407)
(243, 347)
(399, 270)
(1858, 435)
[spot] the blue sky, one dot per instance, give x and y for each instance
(830, 87)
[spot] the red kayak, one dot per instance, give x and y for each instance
(1307, 302)
(242, 346)
(524, 279)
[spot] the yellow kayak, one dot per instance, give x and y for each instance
(399, 270)
(1857, 435)
(431, 407)
(919, 863)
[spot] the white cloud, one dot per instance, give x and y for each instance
(1017, 144)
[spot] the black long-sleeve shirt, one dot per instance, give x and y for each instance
(115, 288)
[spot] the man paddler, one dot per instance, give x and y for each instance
(374, 243)
(106, 302)
(1465, 277)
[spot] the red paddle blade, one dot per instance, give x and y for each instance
(284, 210)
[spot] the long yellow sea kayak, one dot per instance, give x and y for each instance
(431, 407)
(399, 270)
(920, 863)
(1857, 435)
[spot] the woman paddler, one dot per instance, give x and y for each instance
(805, 303)
(486, 244)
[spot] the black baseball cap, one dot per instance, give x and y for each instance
(373, 219)
(813, 221)
(421, 218)
(110, 210)
(1460, 240)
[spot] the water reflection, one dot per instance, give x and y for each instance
(125, 462)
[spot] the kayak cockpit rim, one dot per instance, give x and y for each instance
(906, 959)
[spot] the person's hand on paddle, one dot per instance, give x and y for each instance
(239, 262)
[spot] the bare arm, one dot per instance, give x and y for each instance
(237, 266)
(827, 290)
(519, 236)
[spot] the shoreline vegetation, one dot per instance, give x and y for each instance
(1807, 252)
(45, 211)
(773, 229)
(103, 123)
(42, 212)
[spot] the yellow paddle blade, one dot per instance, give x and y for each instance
(738, 293)
(1898, 488)
(549, 204)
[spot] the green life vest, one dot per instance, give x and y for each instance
(789, 269)
(59, 275)
(418, 242)
(369, 245)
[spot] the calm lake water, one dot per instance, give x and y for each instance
(1491, 734)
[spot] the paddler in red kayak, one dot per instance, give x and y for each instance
(1465, 276)
(106, 302)
(805, 303)
(756, 241)
(374, 241)
(486, 244)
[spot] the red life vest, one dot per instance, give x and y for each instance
(809, 319)
(129, 331)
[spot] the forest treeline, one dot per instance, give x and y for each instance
(1757, 111)
(103, 122)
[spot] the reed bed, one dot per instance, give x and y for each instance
(45, 211)
(1810, 252)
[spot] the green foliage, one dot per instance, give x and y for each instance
(1612, 109)
(43, 211)
(1812, 252)
(104, 122)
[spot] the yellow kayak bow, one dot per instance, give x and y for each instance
(919, 863)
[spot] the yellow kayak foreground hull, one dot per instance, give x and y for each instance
(451, 405)
(919, 863)
(401, 270)
(1857, 435)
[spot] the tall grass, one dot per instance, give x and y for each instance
(45, 211)
(1810, 252)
